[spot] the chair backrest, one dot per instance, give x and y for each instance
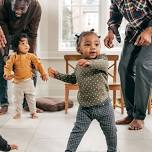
(112, 69)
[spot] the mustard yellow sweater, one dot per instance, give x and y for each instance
(21, 65)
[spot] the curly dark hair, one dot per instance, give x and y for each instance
(17, 40)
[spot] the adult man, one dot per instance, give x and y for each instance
(135, 66)
(16, 16)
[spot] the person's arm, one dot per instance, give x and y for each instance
(34, 27)
(100, 63)
(68, 78)
(115, 20)
(38, 65)
(3, 27)
(145, 37)
(4, 146)
(8, 68)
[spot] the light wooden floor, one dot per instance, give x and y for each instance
(50, 132)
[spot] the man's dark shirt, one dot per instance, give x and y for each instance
(28, 23)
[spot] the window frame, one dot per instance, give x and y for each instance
(68, 49)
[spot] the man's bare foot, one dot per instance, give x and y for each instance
(34, 115)
(136, 125)
(17, 116)
(125, 121)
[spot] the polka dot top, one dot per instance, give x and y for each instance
(92, 81)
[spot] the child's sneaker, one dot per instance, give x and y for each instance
(34, 115)
(17, 116)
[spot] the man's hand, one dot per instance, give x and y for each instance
(14, 146)
(2, 38)
(108, 41)
(145, 38)
(52, 72)
(44, 77)
(83, 62)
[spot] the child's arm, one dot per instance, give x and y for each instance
(4, 146)
(101, 63)
(68, 78)
(38, 65)
(8, 68)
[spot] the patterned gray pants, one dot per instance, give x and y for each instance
(104, 114)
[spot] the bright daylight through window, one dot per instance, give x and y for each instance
(78, 15)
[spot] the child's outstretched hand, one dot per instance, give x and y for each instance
(14, 146)
(8, 77)
(44, 77)
(83, 62)
(52, 72)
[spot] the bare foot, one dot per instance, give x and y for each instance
(136, 125)
(37, 110)
(17, 116)
(34, 115)
(14, 146)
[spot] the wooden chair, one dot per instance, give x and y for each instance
(114, 86)
(149, 104)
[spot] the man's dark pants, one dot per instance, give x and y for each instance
(135, 71)
(3, 85)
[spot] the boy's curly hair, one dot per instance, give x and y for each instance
(82, 34)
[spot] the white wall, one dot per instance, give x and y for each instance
(48, 42)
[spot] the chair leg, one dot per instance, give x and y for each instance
(121, 103)
(66, 100)
(114, 99)
(149, 106)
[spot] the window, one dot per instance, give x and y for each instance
(81, 15)
(77, 16)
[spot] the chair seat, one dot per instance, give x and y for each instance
(114, 86)
(72, 86)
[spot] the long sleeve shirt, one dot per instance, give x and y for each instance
(21, 65)
(137, 13)
(92, 81)
(28, 23)
(4, 146)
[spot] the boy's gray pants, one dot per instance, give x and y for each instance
(135, 71)
(104, 114)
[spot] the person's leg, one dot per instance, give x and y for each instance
(18, 92)
(3, 89)
(143, 85)
(30, 97)
(83, 121)
(105, 116)
(25, 105)
(127, 78)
